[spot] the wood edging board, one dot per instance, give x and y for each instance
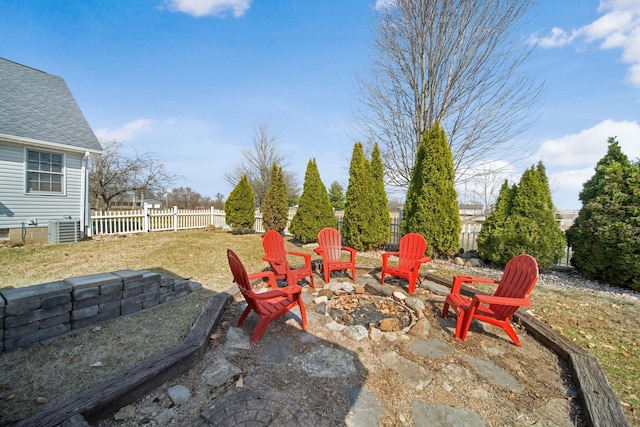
(599, 402)
(131, 384)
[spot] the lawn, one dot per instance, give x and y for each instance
(607, 327)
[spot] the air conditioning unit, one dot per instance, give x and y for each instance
(64, 231)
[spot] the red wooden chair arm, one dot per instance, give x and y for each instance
(423, 260)
(318, 250)
(280, 292)
(307, 257)
(352, 252)
(458, 281)
(264, 274)
(490, 299)
(386, 256)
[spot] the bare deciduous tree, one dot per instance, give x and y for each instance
(257, 163)
(114, 174)
(457, 62)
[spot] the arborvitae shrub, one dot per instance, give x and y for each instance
(523, 222)
(431, 208)
(380, 219)
(605, 237)
(239, 209)
(314, 210)
(276, 207)
(336, 196)
(357, 226)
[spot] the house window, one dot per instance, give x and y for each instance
(4, 233)
(44, 172)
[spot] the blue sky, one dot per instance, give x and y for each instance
(191, 80)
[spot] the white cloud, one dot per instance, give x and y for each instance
(199, 8)
(383, 4)
(618, 28)
(590, 145)
(126, 132)
(570, 179)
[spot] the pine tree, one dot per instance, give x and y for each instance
(491, 237)
(239, 209)
(276, 207)
(431, 208)
(381, 221)
(357, 227)
(314, 210)
(605, 238)
(336, 196)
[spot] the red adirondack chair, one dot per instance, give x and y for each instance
(519, 277)
(410, 257)
(276, 255)
(330, 248)
(267, 305)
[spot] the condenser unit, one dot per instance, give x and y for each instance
(64, 231)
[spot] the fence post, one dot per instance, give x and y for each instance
(175, 218)
(145, 218)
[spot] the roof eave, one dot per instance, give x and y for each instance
(47, 144)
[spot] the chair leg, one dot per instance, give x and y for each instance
(244, 315)
(445, 309)
(353, 275)
(466, 324)
(303, 313)
(262, 326)
(512, 334)
(382, 277)
(412, 285)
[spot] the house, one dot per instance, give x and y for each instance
(45, 144)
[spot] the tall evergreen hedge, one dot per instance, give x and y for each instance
(357, 224)
(431, 208)
(605, 237)
(380, 219)
(276, 207)
(523, 222)
(240, 209)
(314, 209)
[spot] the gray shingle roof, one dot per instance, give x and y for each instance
(40, 106)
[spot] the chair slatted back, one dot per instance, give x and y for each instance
(519, 278)
(412, 247)
(240, 277)
(273, 244)
(330, 241)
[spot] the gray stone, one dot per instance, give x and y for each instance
(457, 373)
(165, 417)
(236, 338)
(85, 293)
(377, 289)
(125, 413)
(356, 332)
(127, 274)
(494, 374)
(84, 312)
(427, 415)
(436, 288)
(421, 329)
(36, 315)
(414, 303)
(432, 348)
(366, 409)
(327, 362)
(93, 280)
(275, 350)
(111, 288)
(179, 394)
(221, 373)
(75, 421)
(414, 375)
(55, 300)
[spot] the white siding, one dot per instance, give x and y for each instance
(17, 206)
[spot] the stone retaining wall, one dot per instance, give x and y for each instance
(35, 313)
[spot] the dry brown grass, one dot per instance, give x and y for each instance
(606, 327)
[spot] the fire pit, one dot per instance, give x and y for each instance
(368, 311)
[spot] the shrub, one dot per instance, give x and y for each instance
(276, 206)
(431, 208)
(605, 237)
(380, 219)
(523, 222)
(239, 209)
(336, 196)
(314, 210)
(357, 224)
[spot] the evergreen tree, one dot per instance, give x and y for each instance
(314, 210)
(523, 222)
(276, 207)
(491, 237)
(336, 196)
(357, 227)
(381, 221)
(605, 237)
(431, 208)
(239, 209)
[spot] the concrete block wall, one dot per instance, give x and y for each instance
(35, 313)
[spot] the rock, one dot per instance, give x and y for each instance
(399, 296)
(377, 289)
(458, 261)
(375, 334)
(390, 324)
(359, 289)
(125, 413)
(421, 329)
(321, 308)
(321, 299)
(475, 262)
(221, 373)
(348, 288)
(356, 332)
(179, 394)
(325, 293)
(414, 303)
